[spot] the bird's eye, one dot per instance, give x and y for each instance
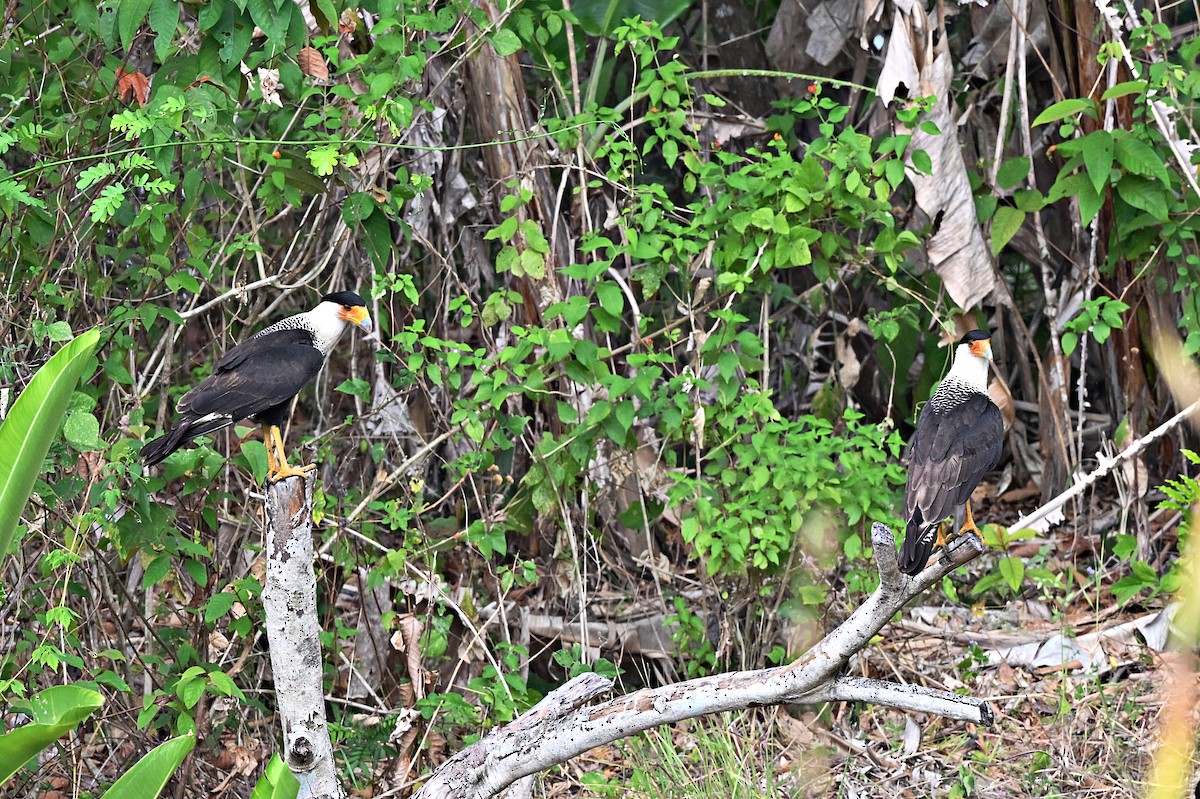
(345, 307)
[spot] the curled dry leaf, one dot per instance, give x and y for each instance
(312, 63)
(133, 86)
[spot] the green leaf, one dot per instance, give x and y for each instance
(1013, 571)
(1069, 342)
(219, 604)
(164, 19)
(130, 15)
(610, 297)
(1012, 172)
(55, 712)
(271, 20)
(1098, 158)
(324, 159)
(147, 777)
(505, 42)
(357, 387)
(1144, 194)
(922, 162)
(1124, 89)
(1140, 158)
(1005, 224)
(670, 152)
(107, 203)
(33, 424)
(601, 17)
(1090, 202)
(1064, 109)
(255, 453)
(533, 263)
(82, 431)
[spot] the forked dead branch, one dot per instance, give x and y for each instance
(563, 725)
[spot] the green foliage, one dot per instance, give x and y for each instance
(1099, 316)
(690, 636)
(770, 479)
(276, 782)
(147, 778)
(33, 424)
(572, 660)
(1183, 495)
(53, 712)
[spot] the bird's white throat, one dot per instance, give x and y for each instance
(968, 369)
(327, 325)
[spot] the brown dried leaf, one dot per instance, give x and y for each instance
(312, 63)
(133, 86)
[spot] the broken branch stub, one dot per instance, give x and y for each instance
(563, 726)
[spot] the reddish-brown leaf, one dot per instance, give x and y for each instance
(133, 86)
(312, 63)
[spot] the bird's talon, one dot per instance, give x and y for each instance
(287, 470)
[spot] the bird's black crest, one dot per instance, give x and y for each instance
(975, 335)
(347, 298)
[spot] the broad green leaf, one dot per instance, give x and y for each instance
(505, 42)
(164, 19)
(1013, 571)
(130, 16)
(1012, 172)
(1144, 194)
(1064, 109)
(610, 297)
(922, 162)
(82, 431)
(55, 712)
(33, 424)
(150, 774)
(1005, 224)
(1140, 158)
(277, 781)
(1123, 89)
(1090, 202)
(269, 19)
(1069, 342)
(255, 453)
(1098, 158)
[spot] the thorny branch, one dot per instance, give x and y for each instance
(563, 725)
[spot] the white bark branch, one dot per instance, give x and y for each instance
(1039, 516)
(562, 726)
(290, 606)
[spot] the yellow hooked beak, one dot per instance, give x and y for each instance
(359, 316)
(982, 348)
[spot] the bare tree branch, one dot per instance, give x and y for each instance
(1035, 520)
(563, 726)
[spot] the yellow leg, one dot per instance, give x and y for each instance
(281, 469)
(969, 524)
(270, 453)
(942, 539)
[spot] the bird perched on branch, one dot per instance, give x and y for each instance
(259, 377)
(958, 439)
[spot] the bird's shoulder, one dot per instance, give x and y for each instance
(273, 344)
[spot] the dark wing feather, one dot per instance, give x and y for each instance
(256, 375)
(948, 455)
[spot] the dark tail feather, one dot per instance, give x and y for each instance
(157, 450)
(919, 538)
